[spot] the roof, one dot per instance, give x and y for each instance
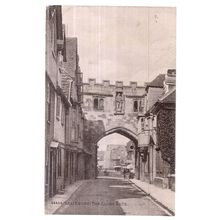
(65, 83)
(71, 56)
(157, 82)
(153, 95)
(169, 97)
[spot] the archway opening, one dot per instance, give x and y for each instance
(116, 155)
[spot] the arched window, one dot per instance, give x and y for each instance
(96, 104)
(101, 104)
(135, 105)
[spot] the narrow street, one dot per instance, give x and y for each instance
(109, 196)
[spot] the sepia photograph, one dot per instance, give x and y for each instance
(110, 110)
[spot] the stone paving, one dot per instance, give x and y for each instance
(166, 197)
(56, 201)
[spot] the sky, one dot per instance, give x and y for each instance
(112, 139)
(123, 43)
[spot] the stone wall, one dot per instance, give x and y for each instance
(101, 104)
(110, 109)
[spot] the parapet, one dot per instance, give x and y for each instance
(106, 83)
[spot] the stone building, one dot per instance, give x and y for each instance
(154, 90)
(164, 110)
(65, 153)
(111, 108)
(156, 131)
(72, 77)
(115, 155)
(56, 102)
(115, 99)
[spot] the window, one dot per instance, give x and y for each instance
(138, 106)
(101, 104)
(58, 107)
(141, 107)
(98, 104)
(73, 132)
(135, 106)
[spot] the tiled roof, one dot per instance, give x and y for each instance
(157, 82)
(169, 97)
(153, 95)
(71, 56)
(65, 83)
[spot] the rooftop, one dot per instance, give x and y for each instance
(157, 82)
(65, 84)
(169, 97)
(71, 56)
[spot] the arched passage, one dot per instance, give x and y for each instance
(117, 150)
(95, 131)
(120, 130)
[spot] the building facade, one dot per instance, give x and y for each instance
(115, 155)
(66, 156)
(156, 132)
(56, 102)
(111, 108)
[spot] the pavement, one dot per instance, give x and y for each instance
(112, 196)
(164, 197)
(52, 204)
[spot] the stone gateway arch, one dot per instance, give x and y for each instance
(110, 109)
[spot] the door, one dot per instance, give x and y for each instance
(52, 179)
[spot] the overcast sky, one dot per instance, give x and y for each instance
(113, 41)
(112, 139)
(122, 43)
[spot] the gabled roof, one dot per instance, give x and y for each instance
(157, 82)
(169, 97)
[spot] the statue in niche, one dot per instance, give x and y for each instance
(118, 102)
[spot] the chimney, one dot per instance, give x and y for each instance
(170, 79)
